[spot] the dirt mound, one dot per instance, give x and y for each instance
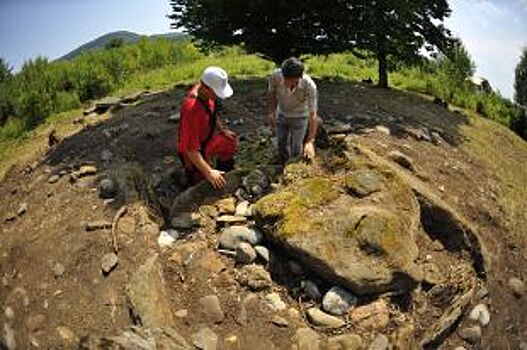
(102, 244)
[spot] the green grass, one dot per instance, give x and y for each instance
(238, 65)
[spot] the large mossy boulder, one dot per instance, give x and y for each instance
(364, 241)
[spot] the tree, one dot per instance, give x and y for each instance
(114, 43)
(276, 31)
(394, 30)
(520, 82)
(456, 63)
(5, 70)
(397, 30)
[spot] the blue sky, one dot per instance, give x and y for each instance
(494, 31)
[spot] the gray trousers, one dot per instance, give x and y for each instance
(291, 133)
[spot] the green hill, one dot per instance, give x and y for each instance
(125, 36)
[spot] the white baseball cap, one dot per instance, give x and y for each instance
(216, 78)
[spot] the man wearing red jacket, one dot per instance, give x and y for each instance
(202, 136)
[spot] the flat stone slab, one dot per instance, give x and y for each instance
(147, 296)
(364, 245)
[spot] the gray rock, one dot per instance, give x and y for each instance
(523, 346)
(255, 277)
(226, 205)
(480, 313)
(234, 235)
(184, 221)
(107, 102)
(383, 129)
(402, 159)
(274, 302)
(255, 183)
(66, 334)
(212, 308)
(369, 237)
(245, 253)
(109, 262)
(97, 225)
(345, 342)
(108, 189)
(181, 313)
(311, 290)
(148, 297)
(295, 268)
(9, 337)
(58, 270)
(174, 118)
(241, 195)
(84, 170)
(373, 316)
(244, 209)
(338, 301)
(205, 339)
(139, 339)
(279, 321)
(364, 182)
(306, 339)
(320, 318)
(436, 138)
(263, 253)
(231, 219)
(9, 313)
(471, 334)
(53, 178)
(517, 286)
(106, 155)
(22, 209)
(379, 343)
(338, 127)
(482, 293)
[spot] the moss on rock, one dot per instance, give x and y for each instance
(291, 207)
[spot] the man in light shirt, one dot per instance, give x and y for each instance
(293, 110)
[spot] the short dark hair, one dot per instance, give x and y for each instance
(292, 68)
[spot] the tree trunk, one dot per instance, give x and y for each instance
(383, 68)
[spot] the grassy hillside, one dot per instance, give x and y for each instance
(123, 36)
(47, 91)
(101, 42)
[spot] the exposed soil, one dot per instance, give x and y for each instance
(142, 141)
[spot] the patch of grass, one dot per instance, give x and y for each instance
(504, 154)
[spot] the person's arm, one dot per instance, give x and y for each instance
(215, 177)
(313, 125)
(221, 128)
(309, 146)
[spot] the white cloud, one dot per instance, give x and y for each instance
(493, 32)
(490, 9)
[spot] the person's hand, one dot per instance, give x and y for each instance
(309, 150)
(272, 122)
(229, 133)
(216, 179)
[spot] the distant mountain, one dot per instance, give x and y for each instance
(125, 36)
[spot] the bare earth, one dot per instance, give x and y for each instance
(53, 293)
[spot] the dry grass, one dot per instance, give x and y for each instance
(505, 156)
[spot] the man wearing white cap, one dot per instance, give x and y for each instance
(202, 137)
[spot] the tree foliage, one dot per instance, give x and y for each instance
(520, 81)
(5, 70)
(395, 30)
(42, 87)
(456, 63)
